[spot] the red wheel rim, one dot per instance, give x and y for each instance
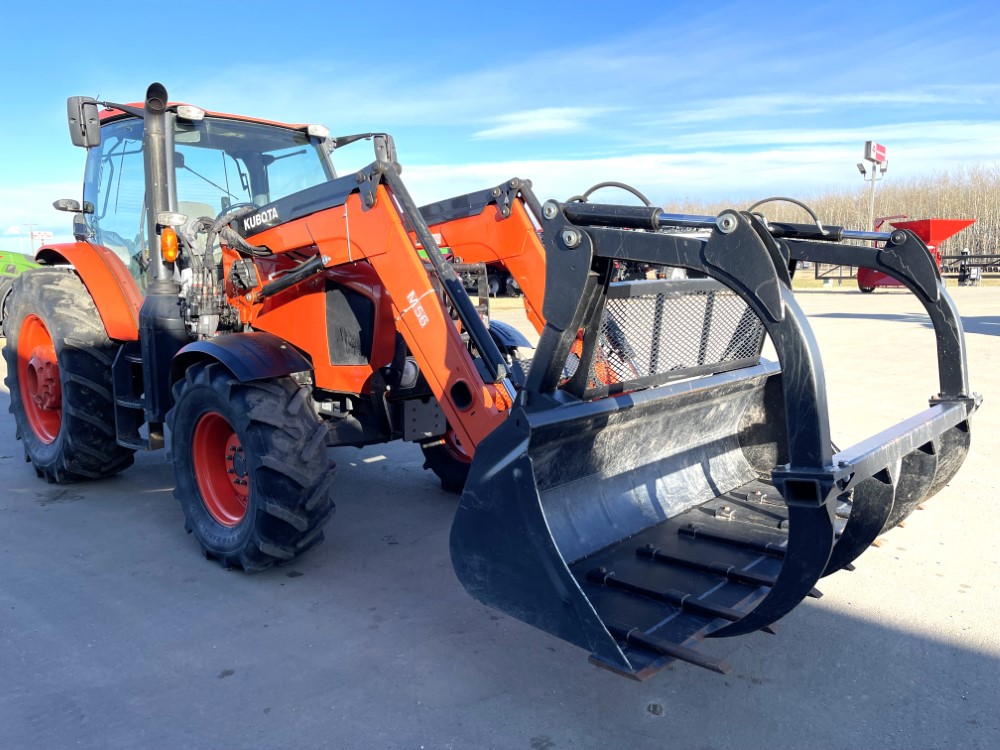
(220, 469)
(38, 378)
(454, 446)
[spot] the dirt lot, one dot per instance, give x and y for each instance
(115, 633)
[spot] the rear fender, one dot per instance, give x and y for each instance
(111, 286)
(249, 356)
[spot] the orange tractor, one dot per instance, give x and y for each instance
(645, 481)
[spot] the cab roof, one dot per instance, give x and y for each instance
(111, 114)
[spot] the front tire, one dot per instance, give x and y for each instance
(253, 478)
(59, 361)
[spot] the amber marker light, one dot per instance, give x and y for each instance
(168, 244)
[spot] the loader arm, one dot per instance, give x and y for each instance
(495, 226)
(346, 223)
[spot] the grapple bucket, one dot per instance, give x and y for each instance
(657, 481)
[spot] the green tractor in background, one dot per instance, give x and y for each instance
(12, 265)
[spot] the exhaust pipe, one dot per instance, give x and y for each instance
(154, 147)
(162, 331)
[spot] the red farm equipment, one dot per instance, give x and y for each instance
(932, 231)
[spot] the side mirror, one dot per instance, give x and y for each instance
(73, 206)
(84, 124)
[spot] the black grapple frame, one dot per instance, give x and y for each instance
(672, 484)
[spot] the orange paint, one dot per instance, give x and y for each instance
(380, 262)
(111, 286)
(511, 241)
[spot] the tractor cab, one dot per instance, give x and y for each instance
(214, 164)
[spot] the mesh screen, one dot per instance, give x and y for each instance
(671, 332)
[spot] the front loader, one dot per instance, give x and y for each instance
(645, 481)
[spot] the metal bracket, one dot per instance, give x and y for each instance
(369, 179)
(505, 195)
(808, 488)
(972, 402)
(741, 259)
(907, 255)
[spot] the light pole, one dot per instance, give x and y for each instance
(879, 168)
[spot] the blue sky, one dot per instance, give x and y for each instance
(694, 100)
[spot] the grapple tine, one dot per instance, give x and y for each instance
(872, 504)
(953, 447)
(810, 541)
(915, 479)
(632, 636)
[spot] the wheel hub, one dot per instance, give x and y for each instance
(43, 379)
(221, 469)
(38, 379)
(236, 465)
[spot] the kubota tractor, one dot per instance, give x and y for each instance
(647, 480)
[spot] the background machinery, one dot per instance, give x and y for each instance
(11, 266)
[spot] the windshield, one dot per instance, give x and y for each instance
(220, 162)
(217, 162)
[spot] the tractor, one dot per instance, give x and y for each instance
(645, 480)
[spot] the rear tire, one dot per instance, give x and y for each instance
(59, 375)
(445, 456)
(253, 478)
(866, 289)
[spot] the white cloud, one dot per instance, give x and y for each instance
(799, 103)
(543, 121)
(698, 175)
(929, 132)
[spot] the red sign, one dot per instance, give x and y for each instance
(874, 152)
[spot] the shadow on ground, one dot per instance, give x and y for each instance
(988, 325)
(115, 632)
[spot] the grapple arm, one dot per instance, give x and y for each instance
(718, 462)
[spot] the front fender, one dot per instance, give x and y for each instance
(249, 356)
(507, 337)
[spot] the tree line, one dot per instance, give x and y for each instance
(968, 192)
